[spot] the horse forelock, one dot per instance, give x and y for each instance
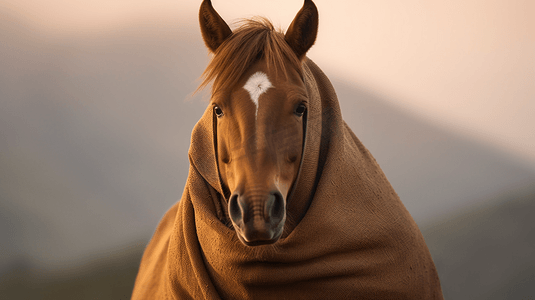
(253, 40)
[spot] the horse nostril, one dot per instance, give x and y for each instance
(234, 209)
(275, 206)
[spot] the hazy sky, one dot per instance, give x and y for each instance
(468, 65)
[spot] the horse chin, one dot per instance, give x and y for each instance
(259, 242)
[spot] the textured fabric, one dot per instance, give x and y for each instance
(354, 240)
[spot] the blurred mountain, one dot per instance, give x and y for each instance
(95, 128)
(109, 277)
(434, 171)
(94, 133)
(487, 252)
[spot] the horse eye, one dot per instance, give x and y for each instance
(300, 110)
(218, 111)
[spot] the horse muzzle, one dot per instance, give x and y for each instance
(258, 219)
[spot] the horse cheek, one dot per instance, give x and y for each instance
(223, 161)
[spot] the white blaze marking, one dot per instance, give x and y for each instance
(257, 85)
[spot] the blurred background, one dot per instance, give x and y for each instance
(96, 112)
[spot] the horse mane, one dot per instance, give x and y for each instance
(253, 40)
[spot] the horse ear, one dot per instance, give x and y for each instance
(214, 29)
(302, 33)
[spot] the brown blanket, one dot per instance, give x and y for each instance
(355, 240)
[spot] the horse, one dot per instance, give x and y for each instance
(260, 103)
(282, 200)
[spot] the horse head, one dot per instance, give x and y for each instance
(260, 103)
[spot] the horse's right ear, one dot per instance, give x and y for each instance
(214, 29)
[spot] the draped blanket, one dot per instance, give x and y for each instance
(354, 239)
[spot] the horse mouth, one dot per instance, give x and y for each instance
(258, 238)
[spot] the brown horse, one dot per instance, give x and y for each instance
(273, 165)
(260, 102)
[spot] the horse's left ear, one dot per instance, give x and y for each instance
(302, 33)
(214, 29)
